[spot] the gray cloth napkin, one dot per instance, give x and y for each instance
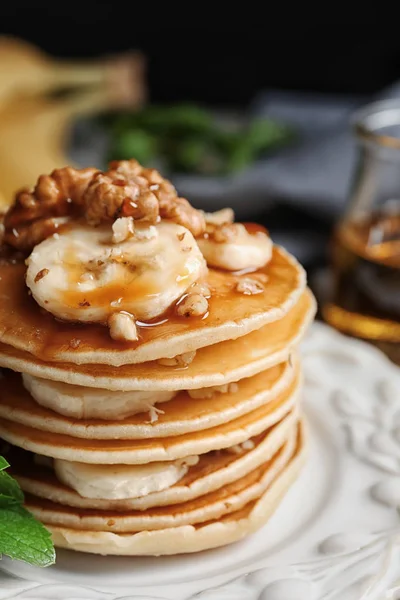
(313, 174)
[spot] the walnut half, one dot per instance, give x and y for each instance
(126, 190)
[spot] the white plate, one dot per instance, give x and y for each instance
(335, 536)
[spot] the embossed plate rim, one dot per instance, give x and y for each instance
(355, 554)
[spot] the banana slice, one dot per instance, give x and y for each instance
(119, 482)
(81, 402)
(80, 274)
(231, 247)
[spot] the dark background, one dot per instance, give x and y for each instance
(198, 56)
(195, 55)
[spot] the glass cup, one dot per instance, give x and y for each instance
(366, 243)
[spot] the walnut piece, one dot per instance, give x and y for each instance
(106, 199)
(125, 190)
(192, 305)
(182, 360)
(249, 286)
(200, 288)
(123, 327)
(123, 228)
(227, 232)
(220, 217)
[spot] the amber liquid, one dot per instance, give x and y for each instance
(366, 297)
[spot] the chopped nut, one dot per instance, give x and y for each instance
(182, 360)
(180, 236)
(84, 303)
(249, 287)
(123, 228)
(200, 288)
(219, 217)
(123, 327)
(192, 305)
(41, 274)
(75, 343)
(227, 232)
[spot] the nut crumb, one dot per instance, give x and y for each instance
(249, 287)
(84, 303)
(192, 305)
(123, 327)
(187, 249)
(180, 236)
(41, 274)
(75, 343)
(182, 360)
(227, 232)
(200, 288)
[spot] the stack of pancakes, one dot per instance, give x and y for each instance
(218, 440)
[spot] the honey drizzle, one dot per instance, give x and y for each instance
(39, 332)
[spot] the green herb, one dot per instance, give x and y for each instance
(21, 536)
(186, 138)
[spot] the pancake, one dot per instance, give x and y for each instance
(187, 538)
(180, 415)
(213, 471)
(25, 326)
(213, 505)
(214, 365)
(143, 451)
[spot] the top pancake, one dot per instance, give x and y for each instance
(25, 326)
(218, 364)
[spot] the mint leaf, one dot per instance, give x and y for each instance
(9, 487)
(3, 464)
(21, 536)
(24, 538)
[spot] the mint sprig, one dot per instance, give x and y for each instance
(22, 537)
